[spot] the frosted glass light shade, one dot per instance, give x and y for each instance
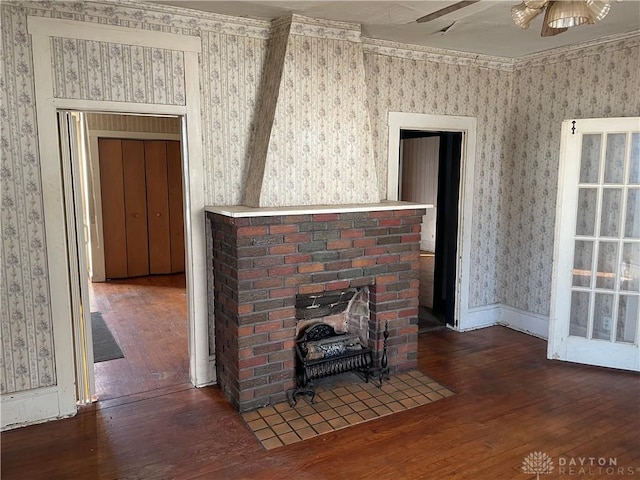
(536, 4)
(523, 15)
(568, 14)
(598, 9)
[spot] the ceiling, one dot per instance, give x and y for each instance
(485, 27)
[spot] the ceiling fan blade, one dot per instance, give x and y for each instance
(446, 10)
(546, 30)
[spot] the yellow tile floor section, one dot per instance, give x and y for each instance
(340, 402)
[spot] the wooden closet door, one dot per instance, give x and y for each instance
(135, 200)
(158, 206)
(176, 212)
(113, 209)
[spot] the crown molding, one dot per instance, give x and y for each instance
(437, 55)
(319, 28)
(145, 15)
(172, 19)
(580, 50)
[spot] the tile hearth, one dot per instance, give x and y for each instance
(341, 402)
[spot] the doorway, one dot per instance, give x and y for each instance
(464, 317)
(142, 316)
(430, 164)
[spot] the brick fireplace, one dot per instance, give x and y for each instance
(262, 259)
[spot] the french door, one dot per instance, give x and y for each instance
(595, 311)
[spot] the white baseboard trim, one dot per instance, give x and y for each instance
(507, 316)
(31, 406)
(480, 317)
(523, 321)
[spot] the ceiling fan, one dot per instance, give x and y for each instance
(559, 14)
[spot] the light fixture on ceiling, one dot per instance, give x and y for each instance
(559, 14)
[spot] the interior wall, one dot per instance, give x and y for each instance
(25, 315)
(318, 151)
(593, 82)
(397, 77)
(420, 157)
(232, 66)
(416, 82)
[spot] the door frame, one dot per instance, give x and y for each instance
(201, 363)
(444, 123)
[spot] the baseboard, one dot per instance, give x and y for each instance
(526, 322)
(31, 406)
(507, 316)
(479, 317)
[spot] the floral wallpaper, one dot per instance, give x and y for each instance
(122, 73)
(591, 82)
(27, 346)
(319, 149)
(232, 74)
(402, 81)
(117, 73)
(519, 109)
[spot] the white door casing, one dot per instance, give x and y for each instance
(595, 310)
(444, 123)
(75, 225)
(202, 369)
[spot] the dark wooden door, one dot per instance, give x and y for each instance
(136, 207)
(176, 214)
(142, 211)
(113, 208)
(158, 207)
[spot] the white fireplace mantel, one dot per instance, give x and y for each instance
(239, 211)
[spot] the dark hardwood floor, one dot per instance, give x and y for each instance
(148, 318)
(510, 401)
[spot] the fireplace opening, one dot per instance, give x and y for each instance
(332, 337)
(347, 311)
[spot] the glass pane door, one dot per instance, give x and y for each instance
(599, 229)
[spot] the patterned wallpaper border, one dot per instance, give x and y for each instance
(326, 29)
(556, 55)
(146, 16)
(585, 49)
(429, 54)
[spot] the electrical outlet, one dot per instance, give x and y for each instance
(606, 324)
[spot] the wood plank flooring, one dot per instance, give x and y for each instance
(148, 318)
(509, 401)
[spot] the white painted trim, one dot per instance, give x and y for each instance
(118, 107)
(446, 123)
(523, 321)
(56, 241)
(194, 219)
(239, 211)
(96, 229)
(134, 135)
(100, 32)
(563, 345)
(480, 317)
(30, 406)
(55, 232)
(507, 316)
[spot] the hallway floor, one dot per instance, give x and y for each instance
(148, 318)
